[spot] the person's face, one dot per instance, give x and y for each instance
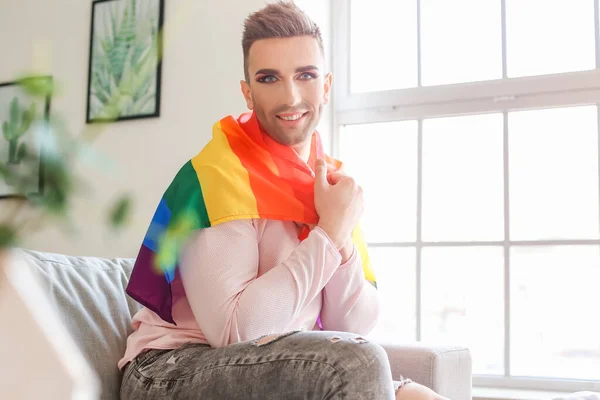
(287, 87)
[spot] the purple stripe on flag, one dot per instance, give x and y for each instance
(149, 287)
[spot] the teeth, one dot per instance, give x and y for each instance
(293, 118)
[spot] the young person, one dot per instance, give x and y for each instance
(272, 291)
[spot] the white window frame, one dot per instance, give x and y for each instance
(495, 96)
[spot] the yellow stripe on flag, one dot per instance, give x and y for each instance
(224, 180)
(361, 246)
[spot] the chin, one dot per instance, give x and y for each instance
(290, 137)
(296, 140)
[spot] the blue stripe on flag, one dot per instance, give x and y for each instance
(169, 274)
(158, 226)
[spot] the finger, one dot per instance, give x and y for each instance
(334, 177)
(321, 173)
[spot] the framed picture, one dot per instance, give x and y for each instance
(21, 143)
(124, 70)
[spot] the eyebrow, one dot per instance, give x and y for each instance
(268, 71)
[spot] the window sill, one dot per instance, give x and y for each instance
(484, 393)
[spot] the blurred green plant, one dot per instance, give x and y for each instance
(7, 236)
(61, 150)
(15, 127)
(122, 82)
(120, 211)
(124, 62)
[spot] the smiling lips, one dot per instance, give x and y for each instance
(291, 119)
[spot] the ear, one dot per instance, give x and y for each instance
(328, 80)
(245, 86)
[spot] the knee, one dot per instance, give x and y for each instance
(365, 370)
(355, 366)
(366, 360)
(369, 355)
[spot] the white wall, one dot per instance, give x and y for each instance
(202, 66)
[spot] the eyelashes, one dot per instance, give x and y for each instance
(305, 76)
(267, 79)
(310, 76)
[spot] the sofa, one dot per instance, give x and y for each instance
(89, 295)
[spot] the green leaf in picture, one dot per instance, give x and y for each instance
(22, 152)
(122, 43)
(113, 22)
(6, 130)
(14, 111)
(16, 127)
(120, 212)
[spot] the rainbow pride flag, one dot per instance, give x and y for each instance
(242, 173)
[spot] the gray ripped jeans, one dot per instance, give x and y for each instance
(300, 365)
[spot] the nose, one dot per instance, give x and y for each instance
(292, 94)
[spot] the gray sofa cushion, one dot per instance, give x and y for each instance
(89, 294)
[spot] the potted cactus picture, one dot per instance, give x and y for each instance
(20, 143)
(14, 129)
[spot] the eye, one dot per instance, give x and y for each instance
(306, 76)
(267, 79)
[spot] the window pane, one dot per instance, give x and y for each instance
(396, 283)
(553, 163)
(545, 37)
(463, 192)
(463, 302)
(383, 159)
(383, 45)
(555, 323)
(461, 41)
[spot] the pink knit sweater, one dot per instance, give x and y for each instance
(246, 278)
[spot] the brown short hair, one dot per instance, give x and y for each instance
(277, 20)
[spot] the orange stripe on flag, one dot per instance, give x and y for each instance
(274, 196)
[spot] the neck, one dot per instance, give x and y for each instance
(303, 151)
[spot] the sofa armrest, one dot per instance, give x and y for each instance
(445, 369)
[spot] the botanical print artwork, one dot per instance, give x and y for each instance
(124, 76)
(20, 144)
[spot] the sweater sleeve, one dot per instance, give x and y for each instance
(350, 302)
(230, 302)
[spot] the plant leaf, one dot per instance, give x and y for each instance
(37, 85)
(174, 238)
(21, 152)
(58, 187)
(14, 112)
(8, 236)
(120, 212)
